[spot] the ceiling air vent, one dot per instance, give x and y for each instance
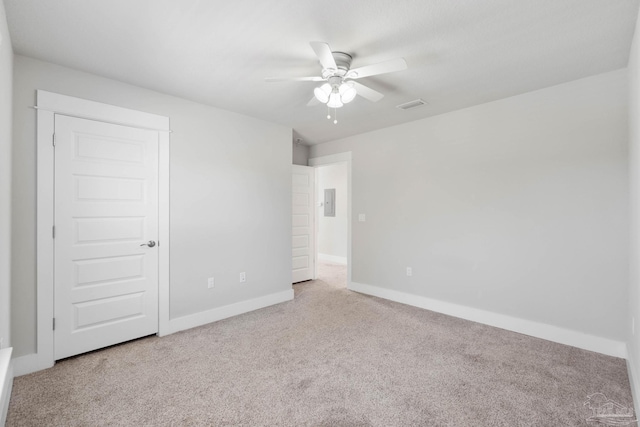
(411, 104)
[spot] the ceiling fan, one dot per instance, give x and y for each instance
(340, 86)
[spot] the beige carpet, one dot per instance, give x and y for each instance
(331, 357)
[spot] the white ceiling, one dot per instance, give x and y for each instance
(459, 53)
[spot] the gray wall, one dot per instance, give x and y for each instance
(633, 344)
(518, 206)
(6, 70)
(230, 195)
(300, 154)
(332, 230)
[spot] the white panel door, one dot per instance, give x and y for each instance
(106, 209)
(303, 245)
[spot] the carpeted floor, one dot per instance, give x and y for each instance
(331, 357)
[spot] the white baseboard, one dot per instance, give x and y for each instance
(333, 258)
(515, 324)
(28, 364)
(6, 382)
(634, 380)
(213, 315)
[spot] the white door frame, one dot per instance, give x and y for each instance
(48, 105)
(339, 158)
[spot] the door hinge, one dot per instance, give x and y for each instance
(54, 139)
(54, 323)
(53, 231)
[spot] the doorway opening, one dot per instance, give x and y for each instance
(331, 223)
(333, 218)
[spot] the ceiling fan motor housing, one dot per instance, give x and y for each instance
(343, 62)
(335, 81)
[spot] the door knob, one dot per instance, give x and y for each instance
(150, 243)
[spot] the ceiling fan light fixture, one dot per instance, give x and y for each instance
(322, 93)
(347, 92)
(334, 100)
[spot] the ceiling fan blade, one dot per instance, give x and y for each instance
(313, 102)
(294, 79)
(389, 66)
(323, 52)
(367, 92)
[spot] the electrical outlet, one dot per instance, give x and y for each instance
(210, 282)
(409, 271)
(362, 217)
(243, 277)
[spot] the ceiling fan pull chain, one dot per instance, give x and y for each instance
(328, 113)
(335, 115)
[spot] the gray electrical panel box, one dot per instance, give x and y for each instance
(330, 202)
